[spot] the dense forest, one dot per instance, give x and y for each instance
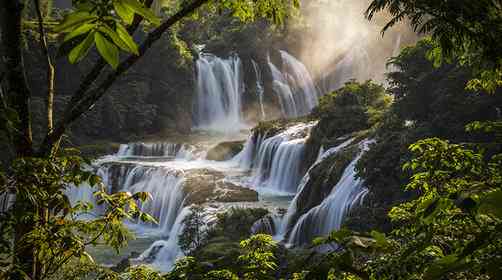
(235, 139)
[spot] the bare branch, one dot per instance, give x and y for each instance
(50, 67)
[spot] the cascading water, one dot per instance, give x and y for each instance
(259, 87)
(162, 254)
(219, 90)
(163, 149)
(294, 86)
(165, 186)
(329, 215)
(275, 161)
(283, 224)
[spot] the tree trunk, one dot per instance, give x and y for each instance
(85, 101)
(17, 97)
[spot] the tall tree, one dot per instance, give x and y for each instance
(108, 25)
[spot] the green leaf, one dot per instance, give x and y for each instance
(107, 50)
(124, 12)
(491, 204)
(74, 19)
(94, 180)
(124, 35)
(86, 27)
(81, 49)
(138, 8)
(115, 37)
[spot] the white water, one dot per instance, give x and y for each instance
(329, 215)
(162, 254)
(283, 224)
(259, 88)
(163, 149)
(275, 161)
(165, 186)
(219, 94)
(294, 86)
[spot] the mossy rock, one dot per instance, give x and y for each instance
(225, 150)
(220, 252)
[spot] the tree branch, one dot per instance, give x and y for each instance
(87, 101)
(50, 67)
(93, 75)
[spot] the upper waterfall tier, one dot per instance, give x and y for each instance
(294, 86)
(220, 85)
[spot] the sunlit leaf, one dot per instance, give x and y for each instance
(107, 50)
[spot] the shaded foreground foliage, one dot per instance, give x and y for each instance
(450, 230)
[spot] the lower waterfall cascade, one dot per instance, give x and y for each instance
(329, 215)
(269, 164)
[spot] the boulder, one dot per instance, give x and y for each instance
(208, 185)
(225, 150)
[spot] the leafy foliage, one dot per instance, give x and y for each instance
(363, 102)
(467, 31)
(194, 233)
(60, 233)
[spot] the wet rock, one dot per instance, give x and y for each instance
(207, 185)
(125, 263)
(225, 150)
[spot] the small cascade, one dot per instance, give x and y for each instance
(161, 149)
(275, 161)
(220, 86)
(162, 254)
(164, 184)
(284, 224)
(329, 215)
(259, 87)
(294, 86)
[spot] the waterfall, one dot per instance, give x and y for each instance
(219, 90)
(164, 184)
(275, 161)
(283, 224)
(166, 188)
(162, 254)
(329, 215)
(294, 86)
(162, 149)
(259, 87)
